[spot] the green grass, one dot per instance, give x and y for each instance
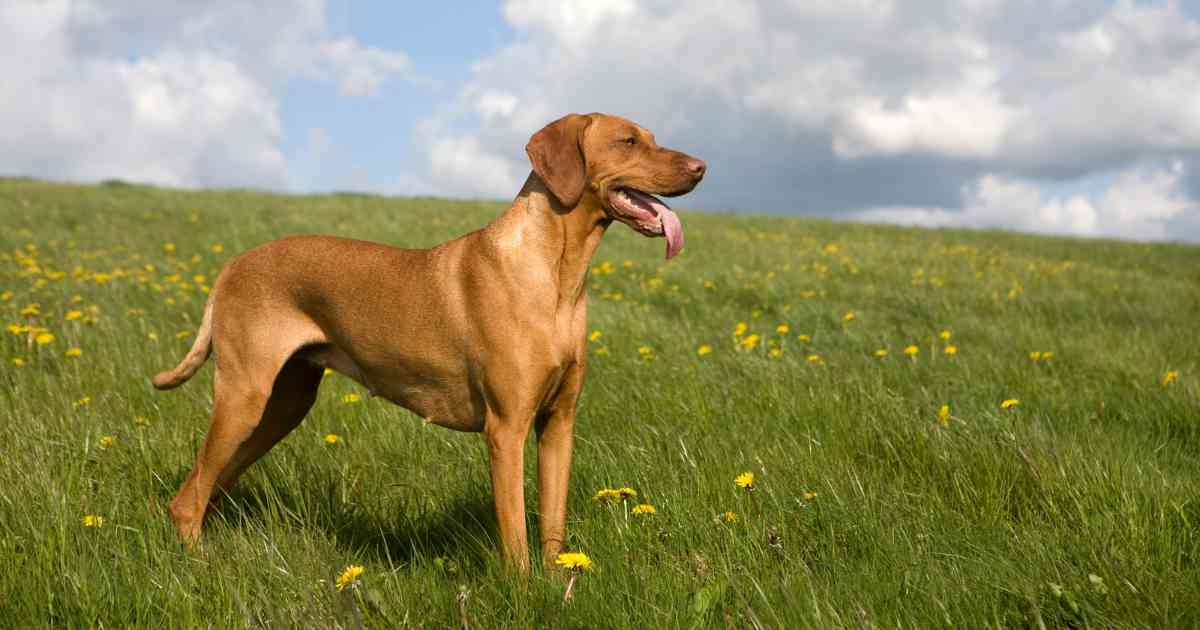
(1076, 508)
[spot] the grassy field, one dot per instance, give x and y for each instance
(889, 491)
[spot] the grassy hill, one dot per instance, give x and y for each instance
(891, 486)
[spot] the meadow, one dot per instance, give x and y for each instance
(959, 429)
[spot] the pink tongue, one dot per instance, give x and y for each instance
(672, 229)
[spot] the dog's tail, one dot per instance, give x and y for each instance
(195, 357)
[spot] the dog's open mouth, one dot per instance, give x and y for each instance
(649, 215)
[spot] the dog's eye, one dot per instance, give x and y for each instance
(631, 140)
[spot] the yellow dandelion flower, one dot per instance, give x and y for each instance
(198, 278)
(18, 361)
(782, 329)
(644, 508)
(574, 560)
(745, 480)
(351, 398)
(73, 352)
(594, 336)
(349, 577)
(1046, 356)
(106, 442)
(327, 372)
(93, 520)
(881, 353)
(1010, 403)
(810, 495)
(74, 315)
(813, 358)
(332, 438)
(32, 310)
(729, 517)
(44, 338)
(646, 352)
(740, 329)
(709, 284)
(849, 317)
(1170, 377)
(951, 350)
(183, 333)
(602, 350)
(1035, 355)
(703, 349)
(6, 296)
(606, 494)
(613, 495)
(750, 342)
(217, 248)
(169, 248)
(776, 353)
(82, 402)
(141, 421)
(944, 415)
(944, 335)
(803, 338)
(152, 336)
(912, 351)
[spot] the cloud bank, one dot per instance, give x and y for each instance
(1070, 116)
(934, 113)
(169, 92)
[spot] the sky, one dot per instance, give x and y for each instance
(1051, 116)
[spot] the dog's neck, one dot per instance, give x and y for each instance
(563, 238)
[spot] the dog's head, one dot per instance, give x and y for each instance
(618, 163)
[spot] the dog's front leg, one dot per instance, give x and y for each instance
(506, 446)
(556, 431)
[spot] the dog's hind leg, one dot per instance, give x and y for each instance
(293, 394)
(249, 416)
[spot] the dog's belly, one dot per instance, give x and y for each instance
(444, 404)
(438, 396)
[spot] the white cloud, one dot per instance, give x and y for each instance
(966, 123)
(833, 107)
(1142, 202)
(570, 22)
(362, 69)
(167, 92)
(496, 104)
(473, 171)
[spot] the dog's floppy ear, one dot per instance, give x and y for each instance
(557, 157)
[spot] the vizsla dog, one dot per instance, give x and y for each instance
(483, 333)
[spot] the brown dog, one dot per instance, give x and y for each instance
(482, 333)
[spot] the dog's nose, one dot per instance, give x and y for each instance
(696, 167)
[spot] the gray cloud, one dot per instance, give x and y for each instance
(849, 106)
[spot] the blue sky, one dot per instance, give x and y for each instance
(373, 135)
(1076, 117)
